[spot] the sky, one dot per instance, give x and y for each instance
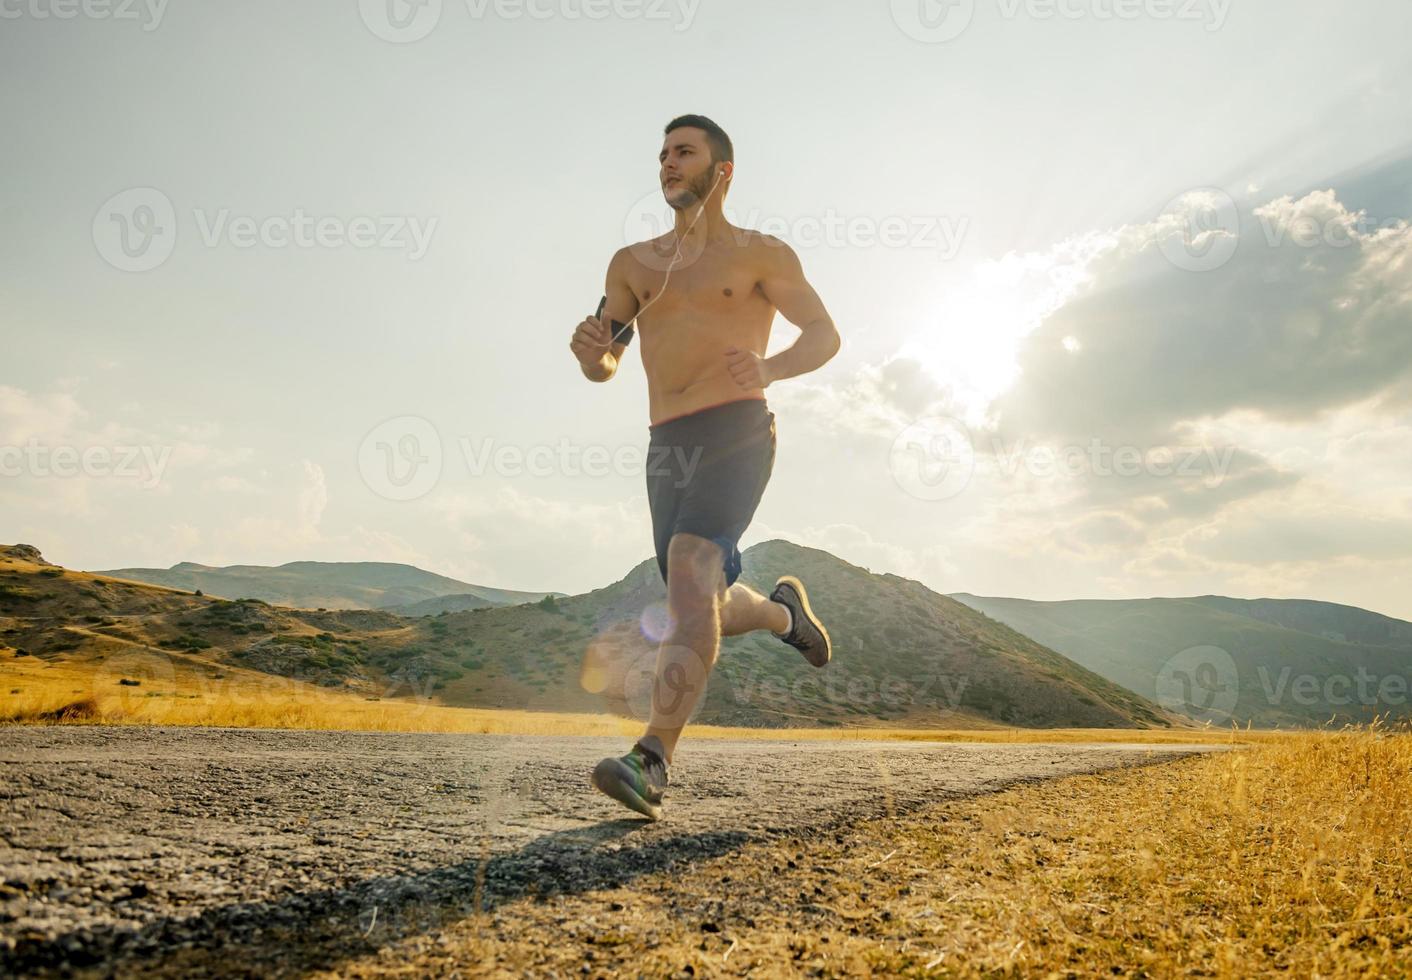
(1124, 285)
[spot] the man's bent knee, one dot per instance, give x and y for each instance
(695, 568)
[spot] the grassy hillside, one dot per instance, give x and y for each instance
(1330, 620)
(1295, 662)
(318, 584)
(904, 656)
(445, 603)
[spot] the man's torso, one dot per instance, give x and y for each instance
(714, 301)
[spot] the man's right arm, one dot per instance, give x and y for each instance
(597, 351)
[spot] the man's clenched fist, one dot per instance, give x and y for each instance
(590, 341)
(748, 368)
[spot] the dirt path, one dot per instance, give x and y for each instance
(274, 850)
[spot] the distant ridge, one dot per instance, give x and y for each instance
(321, 585)
(1295, 661)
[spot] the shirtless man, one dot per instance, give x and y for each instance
(707, 295)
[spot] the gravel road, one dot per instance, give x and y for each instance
(227, 852)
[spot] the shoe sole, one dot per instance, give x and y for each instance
(803, 594)
(607, 781)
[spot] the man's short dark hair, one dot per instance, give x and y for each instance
(722, 150)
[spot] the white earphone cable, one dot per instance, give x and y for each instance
(670, 266)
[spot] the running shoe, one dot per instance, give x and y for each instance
(806, 634)
(638, 779)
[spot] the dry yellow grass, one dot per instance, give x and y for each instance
(184, 691)
(174, 689)
(1288, 859)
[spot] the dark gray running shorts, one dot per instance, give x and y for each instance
(706, 473)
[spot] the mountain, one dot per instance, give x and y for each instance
(318, 584)
(903, 655)
(1269, 662)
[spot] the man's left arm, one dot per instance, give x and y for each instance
(784, 285)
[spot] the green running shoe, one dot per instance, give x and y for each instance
(638, 779)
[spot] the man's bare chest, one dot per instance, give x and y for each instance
(712, 285)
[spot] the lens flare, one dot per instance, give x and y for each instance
(656, 622)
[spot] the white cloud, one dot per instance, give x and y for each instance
(1267, 400)
(878, 401)
(1310, 314)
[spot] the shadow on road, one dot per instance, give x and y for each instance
(320, 929)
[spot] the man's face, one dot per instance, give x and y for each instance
(687, 174)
